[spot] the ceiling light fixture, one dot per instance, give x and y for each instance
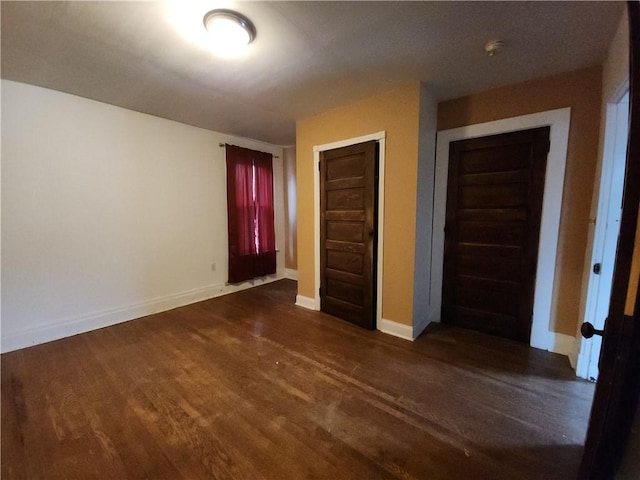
(229, 31)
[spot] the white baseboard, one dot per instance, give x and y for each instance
(566, 345)
(573, 356)
(48, 332)
(562, 344)
(291, 274)
(256, 282)
(307, 302)
(396, 329)
(555, 342)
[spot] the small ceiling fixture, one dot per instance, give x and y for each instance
(493, 47)
(229, 30)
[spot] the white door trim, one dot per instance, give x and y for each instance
(559, 120)
(380, 137)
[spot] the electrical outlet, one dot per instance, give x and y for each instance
(213, 267)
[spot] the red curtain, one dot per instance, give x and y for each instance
(252, 238)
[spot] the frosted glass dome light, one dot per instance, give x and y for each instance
(229, 31)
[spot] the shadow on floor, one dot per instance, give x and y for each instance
(471, 348)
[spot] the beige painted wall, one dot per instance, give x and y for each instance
(290, 215)
(582, 91)
(397, 113)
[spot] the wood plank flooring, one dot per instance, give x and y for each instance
(251, 386)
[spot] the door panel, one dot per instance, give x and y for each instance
(348, 232)
(502, 158)
(494, 204)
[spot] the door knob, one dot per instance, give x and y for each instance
(587, 330)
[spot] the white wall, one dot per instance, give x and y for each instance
(108, 214)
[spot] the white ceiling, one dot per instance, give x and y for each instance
(308, 57)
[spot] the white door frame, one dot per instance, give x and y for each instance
(559, 120)
(604, 238)
(380, 137)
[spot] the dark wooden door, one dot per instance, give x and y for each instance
(494, 204)
(617, 394)
(348, 233)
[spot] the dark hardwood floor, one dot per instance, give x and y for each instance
(250, 386)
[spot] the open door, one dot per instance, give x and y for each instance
(618, 387)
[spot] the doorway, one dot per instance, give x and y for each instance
(606, 227)
(380, 139)
(541, 335)
(348, 218)
(494, 204)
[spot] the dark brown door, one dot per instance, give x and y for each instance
(348, 233)
(494, 203)
(617, 394)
